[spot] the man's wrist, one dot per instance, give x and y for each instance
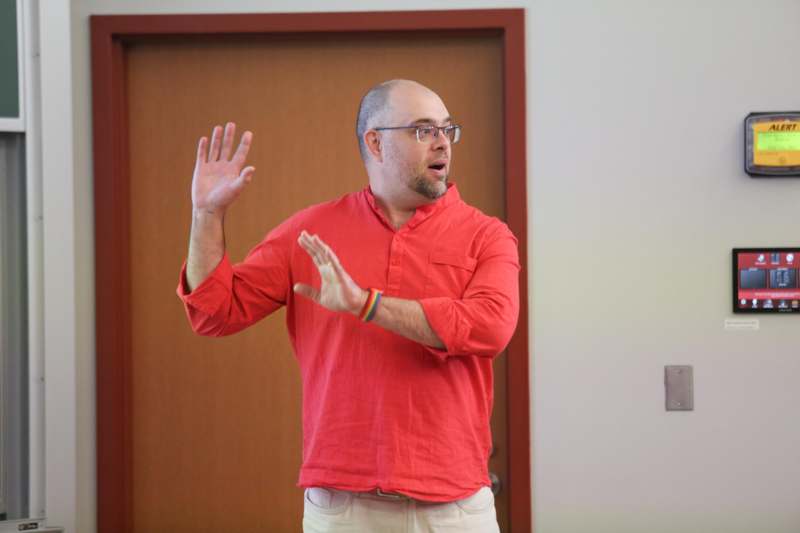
(203, 215)
(362, 300)
(370, 306)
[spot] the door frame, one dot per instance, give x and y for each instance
(109, 36)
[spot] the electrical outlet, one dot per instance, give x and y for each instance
(679, 385)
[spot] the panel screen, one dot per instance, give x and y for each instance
(765, 280)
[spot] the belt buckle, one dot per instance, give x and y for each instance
(390, 495)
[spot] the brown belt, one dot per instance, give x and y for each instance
(378, 493)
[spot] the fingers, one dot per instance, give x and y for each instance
(222, 145)
(337, 291)
(325, 251)
(311, 247)
(216, 141)
(337, 266)
(227, 141)
(333, 260)
(317, 249)
(202, 150)
(244, 147)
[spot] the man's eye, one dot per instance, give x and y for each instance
(425, 130)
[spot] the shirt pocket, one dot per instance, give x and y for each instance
(448, 274)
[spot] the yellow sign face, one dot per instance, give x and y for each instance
(777, 143)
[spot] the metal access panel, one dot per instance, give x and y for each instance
(679, 385)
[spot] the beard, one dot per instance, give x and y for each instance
(415, 175)
(431, 189)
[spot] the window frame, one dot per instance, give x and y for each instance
(29, 109)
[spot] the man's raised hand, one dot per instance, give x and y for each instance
(219, 177)
(338, 291)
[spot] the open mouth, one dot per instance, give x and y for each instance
(437, 166)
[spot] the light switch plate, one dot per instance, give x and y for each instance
(679, 385)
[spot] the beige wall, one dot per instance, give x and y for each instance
(635, 166)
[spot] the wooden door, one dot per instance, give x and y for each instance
(215, 433)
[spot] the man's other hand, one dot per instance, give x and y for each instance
(219, 177)
(338, 291)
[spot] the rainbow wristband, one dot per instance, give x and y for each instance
(370, 306)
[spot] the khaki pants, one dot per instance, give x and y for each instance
(338, 511)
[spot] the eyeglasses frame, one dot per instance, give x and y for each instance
(437, 130)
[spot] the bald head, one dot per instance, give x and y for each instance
(377, 105)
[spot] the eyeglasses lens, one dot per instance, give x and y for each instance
(427, 133)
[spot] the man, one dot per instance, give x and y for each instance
(398, 298)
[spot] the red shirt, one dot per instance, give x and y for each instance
(379, 410)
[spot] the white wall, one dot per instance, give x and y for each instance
(636, 175)
(635, 167)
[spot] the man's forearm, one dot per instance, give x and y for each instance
(406, 318)
(206, 246)
(338, 292)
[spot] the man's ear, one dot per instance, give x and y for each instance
(372, 140)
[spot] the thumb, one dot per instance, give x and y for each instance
(245, 177)
(307, 291)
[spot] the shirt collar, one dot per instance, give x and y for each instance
(423, 212)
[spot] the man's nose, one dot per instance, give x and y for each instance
(440, 141)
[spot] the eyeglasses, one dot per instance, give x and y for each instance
(427, 133)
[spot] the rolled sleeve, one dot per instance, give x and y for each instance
(207, 296)
(449, 325)
(482, 321)
(233, 297)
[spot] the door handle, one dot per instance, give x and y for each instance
(497, 485)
